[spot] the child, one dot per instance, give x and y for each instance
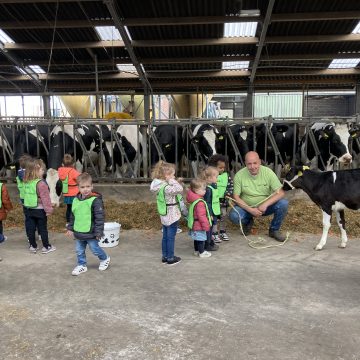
(67, 176)
(211, 197)
(37, 205)
(199, 220)
(5, 206)
(87, 224)
(225, 187)
(167, 188)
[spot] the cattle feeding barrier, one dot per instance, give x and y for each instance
(146, 143)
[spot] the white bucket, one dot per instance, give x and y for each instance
(111, 235)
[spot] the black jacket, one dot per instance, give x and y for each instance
(97, 219)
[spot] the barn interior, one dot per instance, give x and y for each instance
(183, 63)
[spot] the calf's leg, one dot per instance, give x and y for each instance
(326, 227)
(340, 218)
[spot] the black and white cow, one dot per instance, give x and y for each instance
(64, 141)
(332, 141)
(354, 146)
(204, 138)
(130, 139)
(32, 140)
(6, 147)
(225, 147)
(284, 138)
(169, 137)
(332, 191)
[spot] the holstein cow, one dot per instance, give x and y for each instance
(63, 141)
(225, 147)
(332, 191)
(332, 141)
(204, 139)
(129, 137)
(6, 147)
(170, 141)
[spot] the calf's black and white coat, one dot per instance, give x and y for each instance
(331, 191)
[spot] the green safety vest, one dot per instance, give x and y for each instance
(30, 193)
(65, 185)
(20, 186)
(1, 195)
(191, 219)
(215, 202)
(82, 214)
(161, 203)
(222, 182)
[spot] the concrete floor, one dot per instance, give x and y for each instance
(279, 303)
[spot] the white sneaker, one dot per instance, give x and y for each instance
(5, 238)
(32, 249)
(45, 250)
(179, 230)
(79, 270)
(216, 238)
(196, 253)
(205, 254)
(104, 264)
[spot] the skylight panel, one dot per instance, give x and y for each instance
(108, 33)
(235, 65)
(127, 68)
(240, 29)
(37, 69)
(4, 38)
(344, 63)
(356, 29)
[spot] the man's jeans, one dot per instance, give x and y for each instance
(279, 209)
(168, 240)
(80, 246)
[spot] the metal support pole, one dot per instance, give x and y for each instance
(144, 134)
(97, 88)
(47, 105)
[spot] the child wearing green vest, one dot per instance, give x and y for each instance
(167, 191)
(199, 220)
(5, 207)
(211, 197)
(37, 205)
(225, 187)
(87, 224)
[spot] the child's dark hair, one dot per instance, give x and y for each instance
(84, 178)
(68, 160)
(214, 159)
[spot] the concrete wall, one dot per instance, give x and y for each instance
(342, 105)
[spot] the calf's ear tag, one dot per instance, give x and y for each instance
(221, 137)
(167, 145)
(326, 136)
(305, 168)
(354, 135)
(299, 173)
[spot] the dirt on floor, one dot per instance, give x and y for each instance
(303, 216)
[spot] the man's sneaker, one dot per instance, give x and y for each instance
(196, 253)
(79, 270)
(205, 254)
(179, 230)
(224, 236)
(216, 238)
(164, 260)
(45, 250)
(32, 249)
(247, 227)
(175, 260)
(104, 264)
(212, 248)
(277, 235)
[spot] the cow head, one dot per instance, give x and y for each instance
(293, 179)
(205, 139)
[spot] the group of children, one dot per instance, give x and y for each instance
(84, 214)
(207, 206)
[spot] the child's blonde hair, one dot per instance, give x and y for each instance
(196, 184)
(208, 172)
(23, 159)
(33, 167)
(161, 169)
(68, 160)
(84, 178)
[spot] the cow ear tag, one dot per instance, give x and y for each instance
(221, 137)
(354, 135)
(305, 168)
(299, 173)
(326, 136)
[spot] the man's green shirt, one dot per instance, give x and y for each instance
(255, 189)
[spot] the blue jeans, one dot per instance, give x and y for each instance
(279, 209)
(80, 247)
(168, 240)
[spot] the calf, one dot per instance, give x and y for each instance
(332, 141)
(331, 191)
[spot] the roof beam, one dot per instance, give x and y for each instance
(64, 24)
(316, 16)
(261, 41)
(312, 39)
(43, 1)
